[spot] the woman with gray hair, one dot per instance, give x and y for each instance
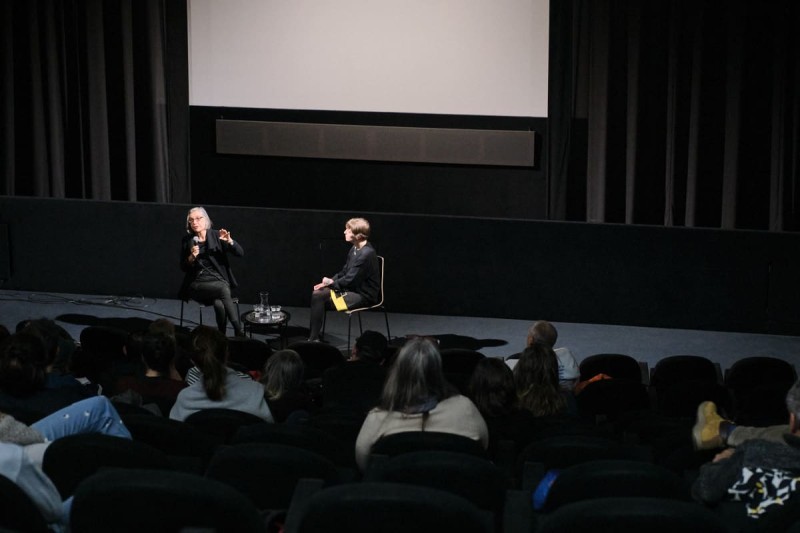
(208, 277)
(416, 397)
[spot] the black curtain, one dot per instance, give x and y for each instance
(94, 99)
(675, 113)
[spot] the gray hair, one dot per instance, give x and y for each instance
(202, 210)
(415, 378)
(793, 399)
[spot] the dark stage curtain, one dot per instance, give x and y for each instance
(94, 99)
(675, 113)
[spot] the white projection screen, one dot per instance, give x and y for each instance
(458, 57)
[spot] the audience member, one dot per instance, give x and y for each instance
(284, 386)
(356, 386)
(712, 431)
(536, 379)
(416, 397)
(491, 388)
(18, 467)
(763, 474)
(218, 386)
(23, 377)
(154, 384)
(546, 333)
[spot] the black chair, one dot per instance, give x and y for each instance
(174, 438)
(614, 478)
(17, 510)
(612, 515)
(608, 399)
(357, 311)
(201, 306)
(758, 386)
(473, 478)
(415, 441)
(222, 423)
(317, 357)
(680, 383)
(249, 354)
(69, 460)
(300, 436)
(268, 473)
(133, 501)
(563, 451)
(385, 507)
(618, 366)
(458, 364)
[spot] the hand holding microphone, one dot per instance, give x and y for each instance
(195, 247)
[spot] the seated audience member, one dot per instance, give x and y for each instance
(491, 388)
(59, 347)
(164, 326)
(92, 415)
(712, 431)
(536, 380)
(284, 386)
(219, 386)
(416, 397)
(356, 386)
(763, 474)
(23, 377)
(18, 467)
(545, 333)
(154, 384)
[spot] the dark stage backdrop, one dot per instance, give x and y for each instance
(568, 272)
(390, 187)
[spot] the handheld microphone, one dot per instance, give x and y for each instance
(195, 241)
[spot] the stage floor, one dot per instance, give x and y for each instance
(495, 337)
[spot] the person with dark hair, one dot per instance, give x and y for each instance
(359, 281)
(417, 397)
(219, 386)
(536, 379)
(23, 376)
(544, 332)
(154, 384)
(284, 385)
(764, 474)
(492, 390)
(356, 386)
(208, 276)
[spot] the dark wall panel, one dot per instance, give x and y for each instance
(480, 190)
(568, 272)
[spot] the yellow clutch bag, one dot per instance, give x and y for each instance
(338, 300)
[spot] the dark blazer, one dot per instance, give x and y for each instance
(218, 254)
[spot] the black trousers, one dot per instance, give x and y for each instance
(218, 294)
(319, 300)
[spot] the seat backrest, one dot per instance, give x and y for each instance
(222, 423)
(474, 478)
(654, 515)
(133, 501)
(317, 357)
(173, 437)
(751, 372)
(618, 366)
(614, 478)
(250, 354)
(412, 441)
(299, 436)
(268, 473)
(69, 460)
(562, 451)
(362, 507)
(673, 369)
(611, 398)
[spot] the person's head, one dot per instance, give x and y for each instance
(356, 230)
(197, 220)
(158, 351)
(283, 372)
(543, 332)
(163, 326)
(210, 354)
(491, 387)
(21, 368)
(536, 380)
(415, 382)
(793, 405)
(50, 333)
(371, 346)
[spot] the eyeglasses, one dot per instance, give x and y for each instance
(190, 219)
